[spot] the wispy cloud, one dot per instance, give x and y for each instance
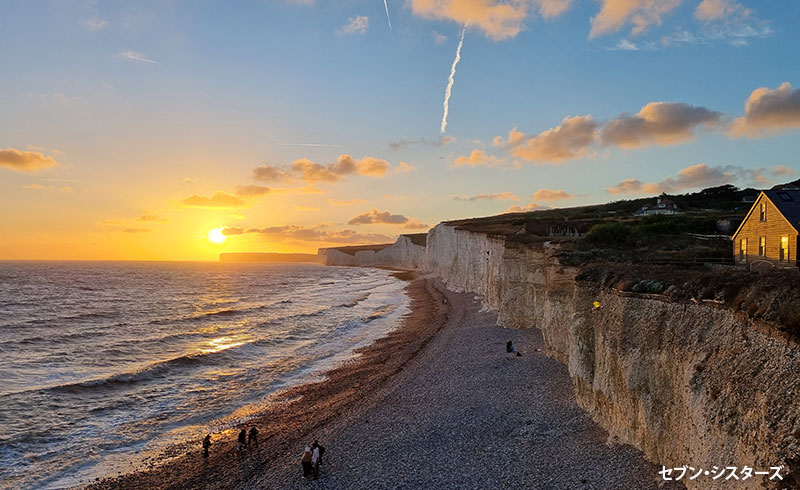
(355, 25)
(135, 56)
(404, 143)
(439, 39)
(95, 24)
(500, 196)
(450, 80)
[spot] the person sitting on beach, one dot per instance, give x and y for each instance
(242, 441)
(306, 462)
(252, 437)
(206, 445)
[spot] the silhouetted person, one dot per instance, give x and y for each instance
(252, 437)
(509, 346)
(321, 450)
(242, 441)
(315, 460)
(306, 462)
(206, 445)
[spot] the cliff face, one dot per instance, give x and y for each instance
(403, 254)
(687, 383)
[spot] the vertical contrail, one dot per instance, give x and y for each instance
(386, 6)
(449, 89)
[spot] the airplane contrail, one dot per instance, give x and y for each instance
(449, 89)
(386, 6)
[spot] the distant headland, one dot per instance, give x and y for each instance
(251, 257)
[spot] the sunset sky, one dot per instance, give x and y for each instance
(130, 130)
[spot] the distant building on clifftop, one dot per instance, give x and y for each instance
(662, 206)
(768, 234)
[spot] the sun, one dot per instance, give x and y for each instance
(216, 236)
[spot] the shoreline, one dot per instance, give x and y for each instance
(291, 416)
(437, 403)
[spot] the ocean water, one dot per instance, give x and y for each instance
(104, 362)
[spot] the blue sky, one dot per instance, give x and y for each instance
(140, 105)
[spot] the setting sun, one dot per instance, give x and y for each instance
(216, 236)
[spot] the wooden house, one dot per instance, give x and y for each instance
(769, 231)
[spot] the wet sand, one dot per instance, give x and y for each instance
(438, 403)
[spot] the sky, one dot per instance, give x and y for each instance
(176, 130)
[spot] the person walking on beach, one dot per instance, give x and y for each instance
(206, 445)
(242, 441)
(252, 437)
(306, 462)
(315, 459)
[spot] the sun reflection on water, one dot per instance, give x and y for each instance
(221, 343)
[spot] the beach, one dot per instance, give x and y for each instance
(437, 403)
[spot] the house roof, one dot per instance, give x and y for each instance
(788, 203)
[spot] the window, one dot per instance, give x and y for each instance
(763, 215)
(784, 249)
(785, 196)
(762, 247)
(743, 249)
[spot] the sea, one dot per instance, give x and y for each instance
(102, 363)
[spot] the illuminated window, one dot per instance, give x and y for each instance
(743, 249)
(784, 249)
(762, 246)
(763, 214)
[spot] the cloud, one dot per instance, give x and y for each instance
(551, 195)
(614, 14)
(306, 208)
(711, 10)
(402, 144)
(476, 158)
(252, 190)
(218, 199)
(316, 233)
(533, 206)
(137, 230)
(502, 196)
(188, 180)
(782, 170)
(310, 172)
(439, 39)
(696, 176)
(404, 168)
(25, 161)
(110, 222)
(350, 202)
(662, 123)
(570, 140)
(497, 19)
(95, 24)
(133, 55)
(39, 187)
(152, 217)
(373, 216)
(627, 186)
(768, 111)
(355, 25)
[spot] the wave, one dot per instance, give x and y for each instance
(354, 302)
(383, 312)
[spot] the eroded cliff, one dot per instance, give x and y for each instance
(689, 383)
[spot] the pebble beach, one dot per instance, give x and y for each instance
(438, 403)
